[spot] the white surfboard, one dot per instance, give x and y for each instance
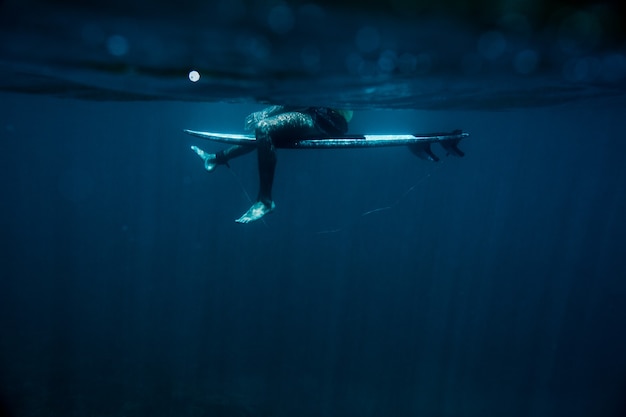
(418, 143)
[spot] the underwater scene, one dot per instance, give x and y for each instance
(470, 263)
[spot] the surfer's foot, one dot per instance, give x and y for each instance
(257, 211)
(210, 162)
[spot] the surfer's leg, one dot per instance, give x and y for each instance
(266, 154)
(212, 160)
(280, 127)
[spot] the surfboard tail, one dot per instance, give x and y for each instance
(452, 148)
(423, 151)
(449, 142)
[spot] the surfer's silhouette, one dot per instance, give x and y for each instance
(273, 126)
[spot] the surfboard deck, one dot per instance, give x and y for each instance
(336, 142)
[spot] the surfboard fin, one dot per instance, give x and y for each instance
(451, 147)
(423, 151)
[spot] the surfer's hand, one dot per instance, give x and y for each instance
(253, 119)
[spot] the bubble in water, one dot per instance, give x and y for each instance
(256, 47)
(579, 32)
(194, 76)
(491, 45)
(614, 67)
(310, 56)
(526, 61)
(117, 45)
(281, 19)
(583, 69)
(407, 63)
(367, 39)
(387, 61)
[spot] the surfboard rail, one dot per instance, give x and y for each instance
(419, 144)
(344, 141)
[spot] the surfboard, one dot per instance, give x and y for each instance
(418, 143)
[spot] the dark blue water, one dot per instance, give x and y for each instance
(382, 285)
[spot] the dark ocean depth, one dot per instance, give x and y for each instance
(494, 285)
(382, 285)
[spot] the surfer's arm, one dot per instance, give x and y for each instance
(253, 119)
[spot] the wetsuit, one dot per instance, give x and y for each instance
(277, 124)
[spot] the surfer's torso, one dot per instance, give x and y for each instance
(323, 120)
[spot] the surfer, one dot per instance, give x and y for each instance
(274, 125)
